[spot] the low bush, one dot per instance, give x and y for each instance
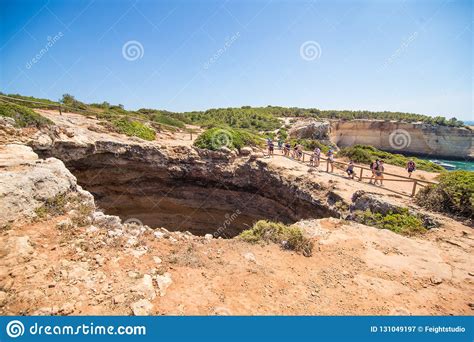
(54, 206)
(454, 194)
(216, 137)
(401, 223)
(134, 128)
(365, 154)
(23, 116)
(289, 237)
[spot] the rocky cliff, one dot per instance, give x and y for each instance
(400, 137)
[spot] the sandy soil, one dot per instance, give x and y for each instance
(354, 269)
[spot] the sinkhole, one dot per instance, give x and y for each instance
(200, 201)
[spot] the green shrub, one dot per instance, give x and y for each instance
(401, 223)
(217, 137)
(167, 120)
(134, 128)
(282, 133)
(365, 154)
(53, 206)
(290, 237)
(454, 194)
(256, 119)
(23, 116)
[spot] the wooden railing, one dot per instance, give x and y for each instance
(417, 182)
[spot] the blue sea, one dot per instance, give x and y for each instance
(453, 164)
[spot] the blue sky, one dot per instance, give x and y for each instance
(411, 56)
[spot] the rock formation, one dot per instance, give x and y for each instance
(401, 137)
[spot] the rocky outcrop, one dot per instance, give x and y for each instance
(27, 183)
(362, 201)
(186, 188)
(401, 137)
(310, 129)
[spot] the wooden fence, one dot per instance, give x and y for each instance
(397, 178)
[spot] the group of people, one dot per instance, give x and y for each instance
(377, 167)
(296, 152)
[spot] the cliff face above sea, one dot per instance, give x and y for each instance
(401, 137)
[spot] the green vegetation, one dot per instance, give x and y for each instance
(261, 117)
(134, 129)
(41, 103)
(70, 101)
(165, 117)
(22, 115)
(257, 119)
(454, 194)
(54, 206)
(217, 137)
(290, 237)
(365, 154)
(401, 223)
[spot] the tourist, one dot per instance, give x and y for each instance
(286, 149)
(330, 161)
(270, 147)
(373, 166)
(300, 151)
(411, 167)
(315, 157)
(379, 172)
(280, 143)
(294, 153)
(350, 169)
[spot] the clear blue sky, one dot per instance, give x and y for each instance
(412, 56)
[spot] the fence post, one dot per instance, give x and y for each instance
(303, 155)
(327, 165)
(361, 174)
(414, 188)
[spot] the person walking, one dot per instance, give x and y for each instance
(286, 149)
(270, 147)
(350, 170)
(316, 157)
(330, 161)
(411, 167)
(373, 166)
(379, 172)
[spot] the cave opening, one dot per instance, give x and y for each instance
(200, 203)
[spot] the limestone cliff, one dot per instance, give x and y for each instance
(401, 137)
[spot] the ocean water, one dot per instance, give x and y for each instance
(458, 164)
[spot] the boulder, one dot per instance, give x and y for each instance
(143, 307)
(164, 281)
(310, 129)
(246, 151)
(28, 182)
